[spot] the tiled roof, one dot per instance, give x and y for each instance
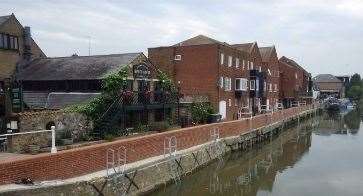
(326, 78)
(63, 100)
(35, 100)
(291, 62)
(3, 19)
(56, 100)
(199, 40)
(266, 53)
(75, 67)
(247, 47)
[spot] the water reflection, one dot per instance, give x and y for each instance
(301, 161)
(339, 123)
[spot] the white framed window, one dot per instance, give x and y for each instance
(241, 84)
(252, 85)
(229, 102)
(221, 82)
(270, 87)
(265, 86)
(275, 90)
(269, 72)
(295, 75)
(222, 59)
(227, 84)
(237, 62)
(177, 57)
(251, 65)
(230, 59)
(243, 64)
(260, 68)
(248, 65)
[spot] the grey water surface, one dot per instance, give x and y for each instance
(321, 156)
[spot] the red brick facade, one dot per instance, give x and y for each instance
(270, 65)
(200, 69)
(85, 160)
(294, 81)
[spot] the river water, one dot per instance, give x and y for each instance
(323, 159)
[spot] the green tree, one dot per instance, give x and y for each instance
(355, 80)
(355, 88)
(355, 92)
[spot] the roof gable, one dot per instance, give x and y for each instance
(267, 53)
(326, 78)
(76, 67)
(247, 47)
(199, 40)
(292, 63)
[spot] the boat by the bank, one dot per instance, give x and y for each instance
(334, 104)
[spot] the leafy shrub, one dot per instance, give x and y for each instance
(141, 128)
(200, 111)
(110, 137)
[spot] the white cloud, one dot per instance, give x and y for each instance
(323, 35)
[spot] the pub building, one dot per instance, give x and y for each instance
(16, 47)
(56, 83)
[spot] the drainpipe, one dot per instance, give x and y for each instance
(219, 76)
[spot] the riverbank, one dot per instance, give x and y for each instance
(146, 174)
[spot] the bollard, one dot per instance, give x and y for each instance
(54, 148)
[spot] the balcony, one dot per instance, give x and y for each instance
(259, 78)
(148, 99)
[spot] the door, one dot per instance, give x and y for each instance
(223, 109)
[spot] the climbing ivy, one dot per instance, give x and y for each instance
(111, 87)
(113, 83)
(165, 81)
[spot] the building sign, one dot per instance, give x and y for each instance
(142, 71)
(16, 95)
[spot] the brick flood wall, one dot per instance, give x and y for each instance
(84, 160)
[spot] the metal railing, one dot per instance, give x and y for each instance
(4, 137)
(148, 97)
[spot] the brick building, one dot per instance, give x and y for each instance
(270, 65)
(60, 82)
(257, 75)
(207, 69)
(16, 47)
(329, 85)
(296, 83)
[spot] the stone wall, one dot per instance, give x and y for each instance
(76, 123)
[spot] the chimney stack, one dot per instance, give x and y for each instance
(27, 44)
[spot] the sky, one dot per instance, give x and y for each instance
(323, 36)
